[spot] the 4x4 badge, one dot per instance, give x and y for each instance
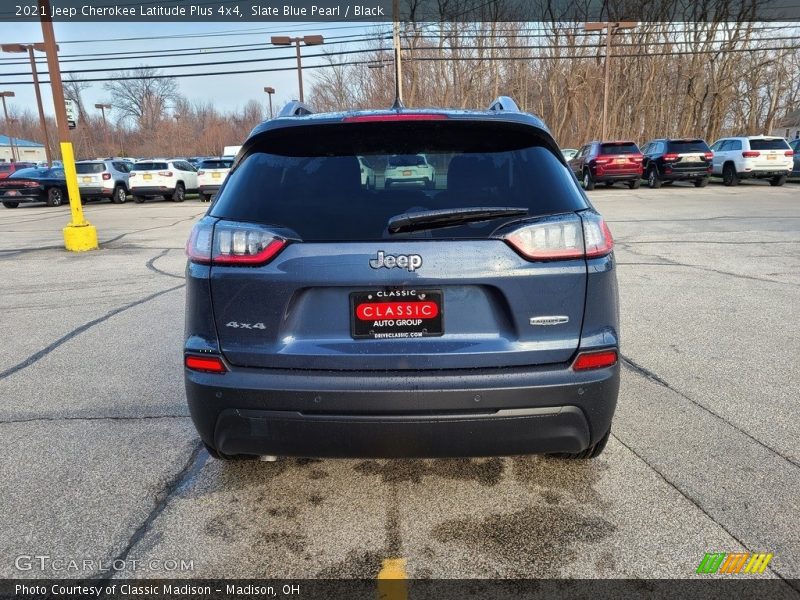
(402, 261)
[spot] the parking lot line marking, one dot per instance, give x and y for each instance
(392, 580)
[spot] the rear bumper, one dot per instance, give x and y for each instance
(479, 412)
(758, 174)
(209, 189)
(682, 175)
(95, 191)
(621, 176)
(151, 190)
(28, 198)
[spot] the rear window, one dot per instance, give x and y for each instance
(774, 144)
(680, 146)
(149, 166)
(308, 178)
(619, 148)
(406, 161)
(86, 168)
(216, 164)
(33, 173)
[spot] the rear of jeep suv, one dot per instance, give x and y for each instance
(326, 318)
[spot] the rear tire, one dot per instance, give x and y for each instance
(11, 204)
(179, 195)
(729, 176)
(138, 199)
(778, 181)
(55, 197)
(119, 196)
(592, 451)
(702, 182)
(588, 182)
(653, 180)
(634, 184)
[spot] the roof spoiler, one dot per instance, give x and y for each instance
(295, 108)
(504, 104)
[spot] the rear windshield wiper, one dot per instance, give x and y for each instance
(449, 217)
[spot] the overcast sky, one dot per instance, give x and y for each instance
(226, 91)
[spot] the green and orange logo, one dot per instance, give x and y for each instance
(734, 562)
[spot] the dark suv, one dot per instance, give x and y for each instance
(608, 162)
(326, 318)
(667, 160)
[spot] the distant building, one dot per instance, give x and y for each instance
(25, 150)
(789, 126)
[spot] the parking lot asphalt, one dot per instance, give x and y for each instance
(101, 460)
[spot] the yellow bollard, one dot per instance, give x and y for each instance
(79, 234)
(392, 584)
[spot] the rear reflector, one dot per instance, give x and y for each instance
(395, 117)
(595, 360)
(206, 364)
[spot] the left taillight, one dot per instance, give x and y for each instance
(204, 363)
(106, 176)
(233, 244)
(562, 237)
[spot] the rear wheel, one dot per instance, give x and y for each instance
(653, 180)
(119, 196)
(588, 182)
(55, 197)
(179, 195)
(635, 183)
(729, 176)
(778, 180)
(702, 182)
(11, 204)
(592, 451)
(138, 199)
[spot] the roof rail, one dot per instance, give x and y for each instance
(504, 103)
(295, 108)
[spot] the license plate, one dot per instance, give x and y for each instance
(216, 175)
(771, 157)
(620, 161)
(147, 176)
(406, 173)
(398, 313)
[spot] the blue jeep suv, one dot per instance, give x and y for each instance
(473, 316)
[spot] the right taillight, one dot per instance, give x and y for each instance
(234, 244)
(562, 237)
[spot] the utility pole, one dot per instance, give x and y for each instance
(270, 91)
(103, 108)
(308, 40)
(79, 234)
(14, 153)
(29, 48)
(611, 29)
(398, 68)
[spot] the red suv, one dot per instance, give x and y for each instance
(608, 162)
(7, 169)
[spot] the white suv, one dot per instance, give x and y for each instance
(756, 156)
(210, 175)
(409, 168)
(160, 177)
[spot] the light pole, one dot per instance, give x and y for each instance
(308, 40)
(611, 28)
(14, 154)
(270, 91)
(29, 48)
(79, 234)
(103, 108)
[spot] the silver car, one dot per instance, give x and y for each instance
(103, 179)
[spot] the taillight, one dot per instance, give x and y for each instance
(395, 117)
(601, 160)
(562, 237)
(709, 155)
(636, 157)
(750, 154)
(789, 153)
(228, 243)
(670, 156)
(206, 364)
(106, 176)
(595, 360)
(165, 173)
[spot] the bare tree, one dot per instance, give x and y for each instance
(143, 96)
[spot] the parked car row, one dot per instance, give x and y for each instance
(114, 179)
(663, 161)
